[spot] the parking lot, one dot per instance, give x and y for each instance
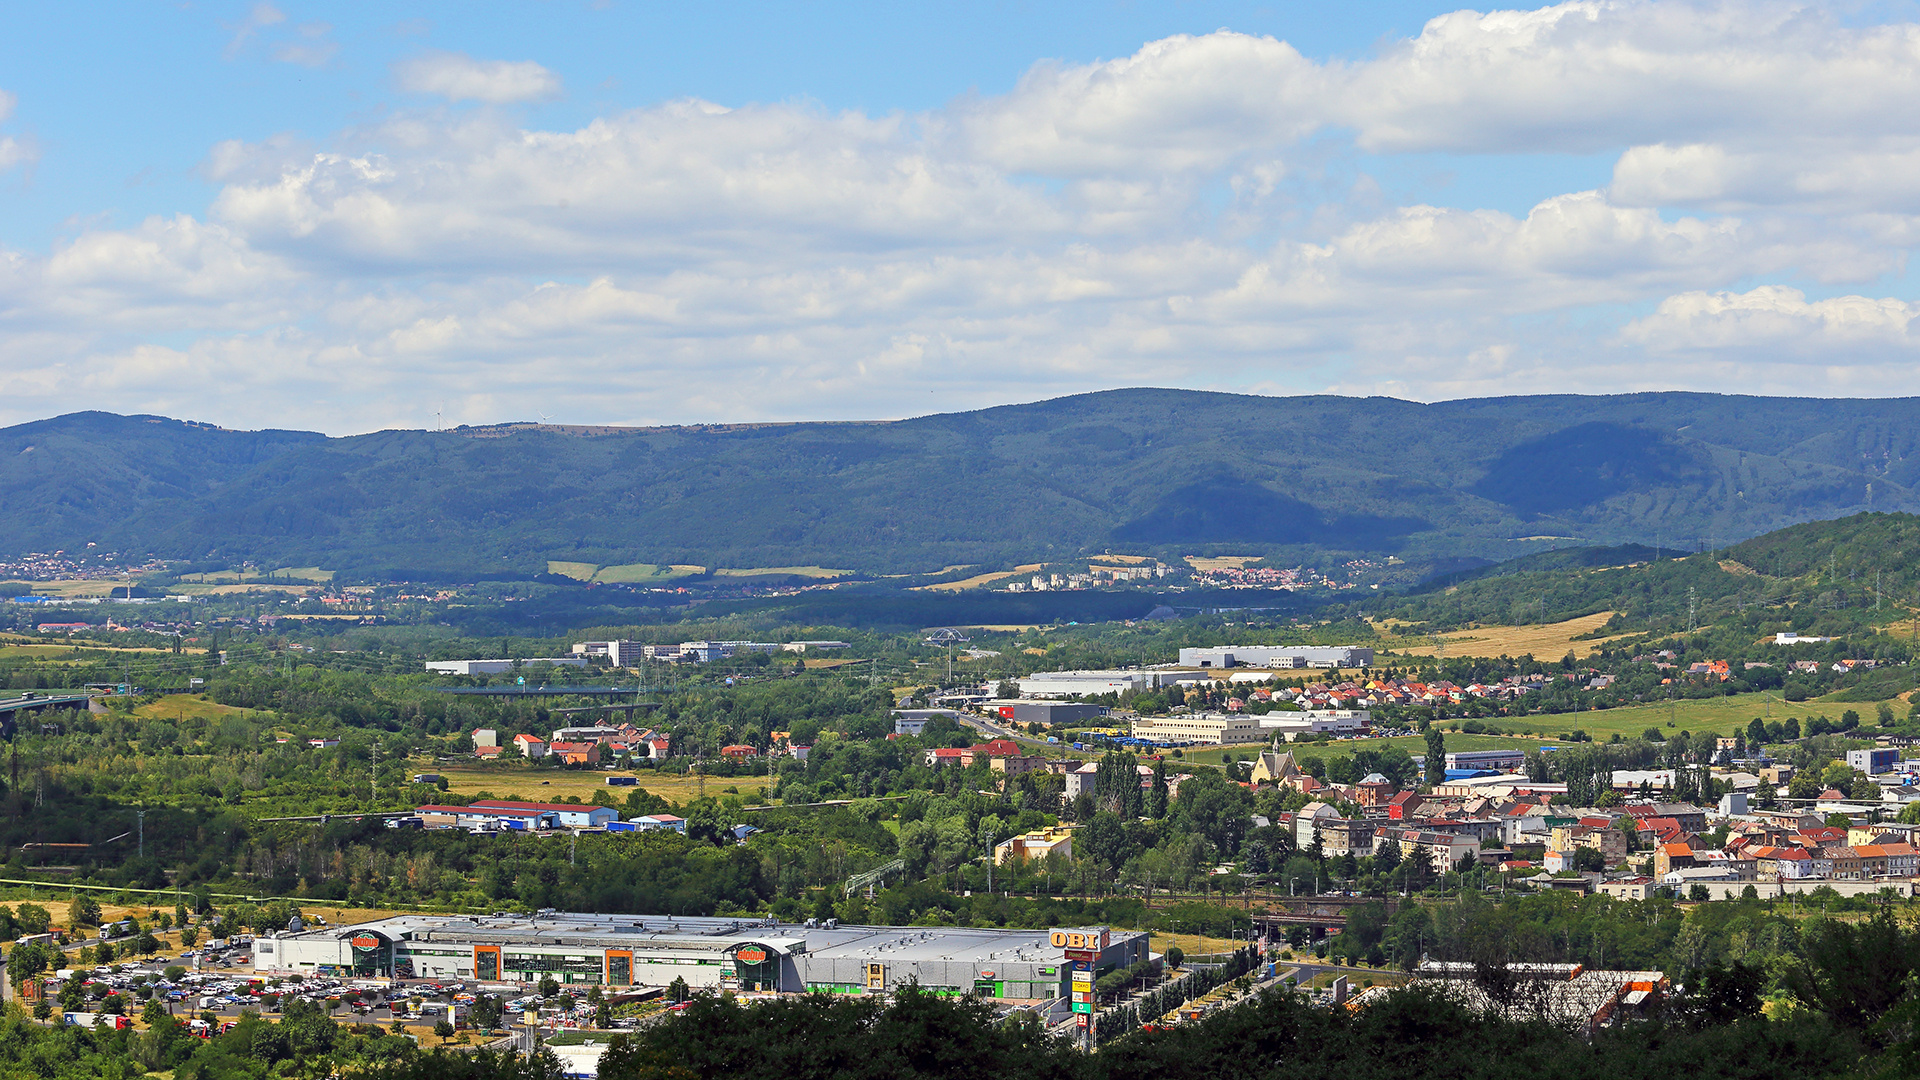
(224, 985)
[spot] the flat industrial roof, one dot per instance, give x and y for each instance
(905, 944)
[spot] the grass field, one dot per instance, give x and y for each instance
(1717, 716)
(65, 588)
(977, 580)
(181, 706)
(1548, 641)
(538, 784)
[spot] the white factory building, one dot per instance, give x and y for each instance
(500, 667)
(1278, 656)
(708, 953)
(1292, 725)
(1209, 729)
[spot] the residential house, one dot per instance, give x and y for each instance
(1443, 851)
(1308, 820)
(944, 756)
(576, 753)
(1403, 805)
(1670, 857)
(1374, 790)
(1343, 836)
(530, 747)
(1035, 845)
(1632, 888)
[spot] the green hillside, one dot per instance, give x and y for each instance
(1150, 471)
(1826, 577)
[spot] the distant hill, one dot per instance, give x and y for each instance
(1827, 576)
(1153, 471)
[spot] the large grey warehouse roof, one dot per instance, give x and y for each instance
(696, 933)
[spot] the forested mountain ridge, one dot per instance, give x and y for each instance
(1167, 471)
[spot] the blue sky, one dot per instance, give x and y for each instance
(126, 99)
(348, 217)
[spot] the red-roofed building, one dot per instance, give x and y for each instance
(1670, 857)
(993, 749)
(1403, 806)
(740, 752)
(576, 753)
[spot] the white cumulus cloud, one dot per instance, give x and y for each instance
(459, 77)
(1202, 212)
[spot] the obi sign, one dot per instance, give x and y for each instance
(1080, 940)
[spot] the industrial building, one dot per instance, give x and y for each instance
(1292, 725)
(1059, 684)
(1042, 712)
(620, 653)
(1278, 656)
(1210, 729)
(1497, 760)
(1874, 760)
(708, 953)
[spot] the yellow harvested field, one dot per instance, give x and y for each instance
(829, 665)
(623, 574)
(1546, 642)
(635, 573)
(541, 784)
(310, 575)
(181, 706)
(1191, 944)
(59, 651)
(241, 590)
(978, 580)
(1123, 560)
(1221, 562)
(783, 571)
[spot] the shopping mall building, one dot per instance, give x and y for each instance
(708, 953)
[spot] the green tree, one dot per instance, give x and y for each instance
(443, 1029)
(83, 911)
(33, 918)
(1436, 757)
